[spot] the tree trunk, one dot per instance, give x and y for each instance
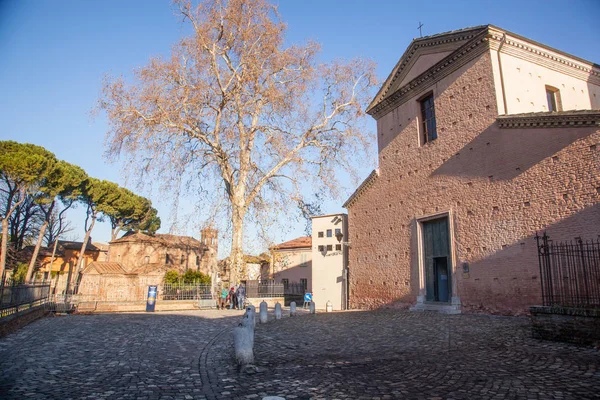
(36, 252)
(237, 253)
(4, 248)
(51, 264)
(88, 233)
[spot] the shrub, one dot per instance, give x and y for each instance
(172, 276)
(19, 273)
(196, 277)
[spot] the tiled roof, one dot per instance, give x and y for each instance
(298, 243)
(152, 269)
(105, 268)
(69, 245)
(165, 239)
(101, 246)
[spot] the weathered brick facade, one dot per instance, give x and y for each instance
(497, 185)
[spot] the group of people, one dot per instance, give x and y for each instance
(233, 298)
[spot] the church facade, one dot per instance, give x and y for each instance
(484, 138)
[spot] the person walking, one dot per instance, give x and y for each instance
(232, 298)
(223, 298)
(241, 296)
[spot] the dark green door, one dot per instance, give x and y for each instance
(436, 253)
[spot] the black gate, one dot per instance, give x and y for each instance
(570, 272)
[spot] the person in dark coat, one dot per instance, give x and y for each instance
(232, 298)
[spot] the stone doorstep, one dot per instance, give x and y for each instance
(442, 308)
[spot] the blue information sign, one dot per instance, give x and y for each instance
(151, 301)
(308, 297)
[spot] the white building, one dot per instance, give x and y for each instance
(329, 259)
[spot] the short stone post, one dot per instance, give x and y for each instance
(292, 308)
(243, 340)
(263, 316)
(251, 312)
(312, 307)
(277, 311)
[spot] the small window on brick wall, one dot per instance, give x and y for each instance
(321, 248)
(338, 247)
(329, 233)
(320, 234)
(329, 247)
(428, 127)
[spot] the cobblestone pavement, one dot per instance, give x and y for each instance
(112, 356)
(384, 354)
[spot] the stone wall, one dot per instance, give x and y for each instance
(15, 322)
(565, 324)
(497, 186)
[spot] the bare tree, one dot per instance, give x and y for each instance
(58, 225)
(235, 109)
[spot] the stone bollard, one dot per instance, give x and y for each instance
(292, 308)
(243, 341)
(263, 316)
(277, 311)
(312, 307)
(328, 306)
(251, 313)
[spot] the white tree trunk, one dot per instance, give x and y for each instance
(36, 252)
(237, 253)
(4, 249)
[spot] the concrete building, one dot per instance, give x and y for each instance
(329, 258)
(484, 138)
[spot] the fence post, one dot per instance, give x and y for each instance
(585, 277)
(2, 283)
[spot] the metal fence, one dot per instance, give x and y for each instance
(570, 272)
(19, 297)
(185, 291)
(256, 289)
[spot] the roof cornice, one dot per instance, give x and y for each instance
(476, 46)
(562, 119)
(367, 183)
(480, 39)
(546, 56)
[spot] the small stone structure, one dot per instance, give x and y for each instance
(564, 324)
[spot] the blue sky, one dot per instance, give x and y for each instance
(53, 55)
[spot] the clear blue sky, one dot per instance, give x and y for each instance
(53, 55)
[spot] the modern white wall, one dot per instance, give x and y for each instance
(327, 266)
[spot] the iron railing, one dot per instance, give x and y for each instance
(185, 291)
(19, 297)
(570, 272)
(256, 289)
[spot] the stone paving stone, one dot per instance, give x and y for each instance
(386, 354)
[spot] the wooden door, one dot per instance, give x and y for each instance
(436, 258)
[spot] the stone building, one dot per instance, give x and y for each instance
(181, 253)
(137, 260)
(484, 138)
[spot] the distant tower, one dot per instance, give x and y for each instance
(210, 238)
(210, 241)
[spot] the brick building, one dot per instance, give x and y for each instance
(484, 138)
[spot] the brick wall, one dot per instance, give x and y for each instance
(498, 185)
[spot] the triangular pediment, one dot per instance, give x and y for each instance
(422, 54)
